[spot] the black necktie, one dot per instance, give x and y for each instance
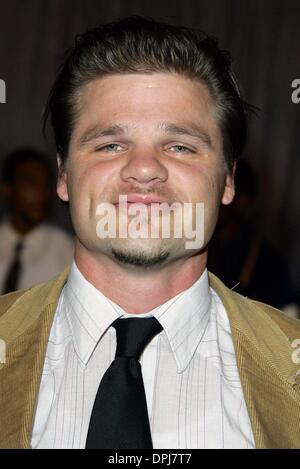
(13, 272)
(120, 418)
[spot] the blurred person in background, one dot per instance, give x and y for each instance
(241, 255)
(32, 250)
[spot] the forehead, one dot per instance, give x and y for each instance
(139, 100)
(151, 88)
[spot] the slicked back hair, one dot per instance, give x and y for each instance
(142, 45)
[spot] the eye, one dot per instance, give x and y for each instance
(180, 149)
(111, 147)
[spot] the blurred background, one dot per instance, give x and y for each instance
(263, 37)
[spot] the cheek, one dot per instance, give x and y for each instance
(89, 184)
(214, 189)
(208, 190)
(206, 186)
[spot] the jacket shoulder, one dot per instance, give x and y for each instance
(253, 317)
(22, 309)
(286, 323)
(8, 300)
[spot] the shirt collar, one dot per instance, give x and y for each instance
(184, 319)
(90, 313)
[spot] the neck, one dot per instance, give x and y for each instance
(138, 291)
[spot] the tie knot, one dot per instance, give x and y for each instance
(134, 334)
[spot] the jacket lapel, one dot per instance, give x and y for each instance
(25, 333)
(267, 372)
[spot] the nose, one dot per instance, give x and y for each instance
(144, 167)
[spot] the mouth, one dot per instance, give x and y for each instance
(145, 199)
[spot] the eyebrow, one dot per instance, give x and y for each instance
(96, 132)
(190, 130)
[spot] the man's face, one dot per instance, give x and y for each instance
(144, 135)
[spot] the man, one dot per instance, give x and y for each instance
(152, 113)
(32, 250)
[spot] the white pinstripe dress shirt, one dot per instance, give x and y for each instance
(192, 385)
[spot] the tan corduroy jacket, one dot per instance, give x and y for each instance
(262, 338)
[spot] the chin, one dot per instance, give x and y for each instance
(146, 253)
(140, 259)
(138, 255)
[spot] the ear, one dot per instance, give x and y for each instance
(62, 187)
(229, 189)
